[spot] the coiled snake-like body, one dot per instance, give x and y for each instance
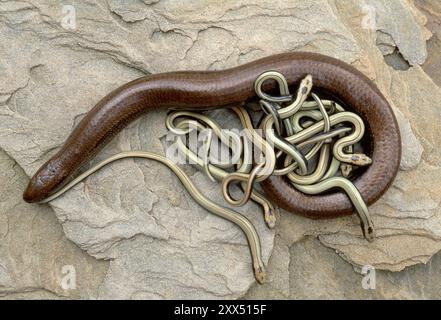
(199, 90)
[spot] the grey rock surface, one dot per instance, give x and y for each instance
(35, 256)
(160, 243)
(397, 22)
(316, 272)
(432, 11)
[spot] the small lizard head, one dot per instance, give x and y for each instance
(306, 85)
(360, 159)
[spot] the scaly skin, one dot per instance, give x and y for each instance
(216, 89)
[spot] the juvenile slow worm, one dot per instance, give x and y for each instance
(224, 212)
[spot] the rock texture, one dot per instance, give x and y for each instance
(134, 213)
(316, 272)
(34, 250)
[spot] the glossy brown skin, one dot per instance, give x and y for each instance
(216, 89)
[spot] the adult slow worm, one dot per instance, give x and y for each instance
(215, 89)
